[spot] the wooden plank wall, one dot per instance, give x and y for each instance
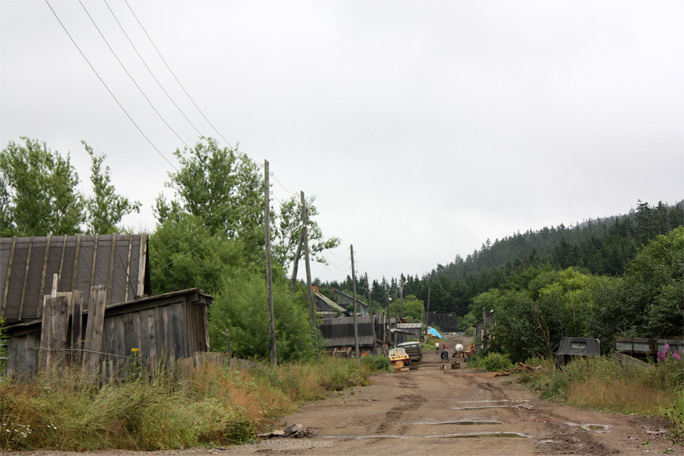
(161, 332)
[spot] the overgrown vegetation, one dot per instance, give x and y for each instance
(606, 384)
(217, 406)
(491, 362)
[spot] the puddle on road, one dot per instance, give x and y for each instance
(598, 428)
(479, 435)
(474, 435)
(483, 407)
(461, 422)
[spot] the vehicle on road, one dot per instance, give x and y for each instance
(398, 358)
(413, 349)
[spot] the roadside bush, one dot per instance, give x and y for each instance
(492, 362)
(376, 363)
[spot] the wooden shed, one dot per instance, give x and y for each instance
(163, 327)
(85, 300)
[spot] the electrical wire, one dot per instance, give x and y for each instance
(107, 87)
(131, 77)
(174, 75)
(150, 71)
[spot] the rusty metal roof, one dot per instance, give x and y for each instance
(28, 265)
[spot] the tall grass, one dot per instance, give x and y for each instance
(608, 385)
(218, 406)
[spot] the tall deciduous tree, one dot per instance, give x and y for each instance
(40, 194)
(220, 185)
(289, 230)
(105, 207)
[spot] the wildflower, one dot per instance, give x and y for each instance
(135, 350)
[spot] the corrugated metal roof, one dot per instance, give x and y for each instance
(409, 325)
(27, 266)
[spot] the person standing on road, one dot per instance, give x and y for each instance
(437, 347)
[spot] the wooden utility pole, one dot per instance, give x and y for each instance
(427, 313)
(269, 271)
(295, 263)
(356, 328)
(401, 289)
(305, 237)
(370, 311)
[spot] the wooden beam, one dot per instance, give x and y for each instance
(128, 267)
(43, 274)
(110, 279)
(94, 328)
(142, 264)
(7, 279)
(26, 273)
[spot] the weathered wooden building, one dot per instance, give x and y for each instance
(89, 295)
(327, 308)
(339, 332)
(346, 301)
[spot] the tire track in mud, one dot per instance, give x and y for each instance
(557, 437)
(410, 401)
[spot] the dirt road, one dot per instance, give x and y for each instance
(434, 411)
(430, 411)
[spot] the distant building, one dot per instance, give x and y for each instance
(327, 308)
(346, 301)
(446, 322)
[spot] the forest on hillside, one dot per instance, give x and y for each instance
(620, 275)
(600, 247)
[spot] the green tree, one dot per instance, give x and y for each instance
(40, 194)
(220, 185)
(653, 287)
(241, 307)
(414, 311)
(288, 232)
(105, 207)
(185, 254)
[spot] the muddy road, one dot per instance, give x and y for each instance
(451, 411)
(457, 411)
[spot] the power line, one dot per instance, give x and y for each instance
(150, 71)
(131, 77)
(107, 87)
(174, 75)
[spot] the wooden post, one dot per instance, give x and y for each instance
(370, 308)
(94, 329)
(305, 222)
(228, 350)
(295, 263)
(401, 290)
(269, 271)
(76, 327)
(427, 313)
(356, 328)
(54, 332)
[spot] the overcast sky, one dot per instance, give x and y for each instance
(424, 128)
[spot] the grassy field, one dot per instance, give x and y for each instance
(215, 406)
